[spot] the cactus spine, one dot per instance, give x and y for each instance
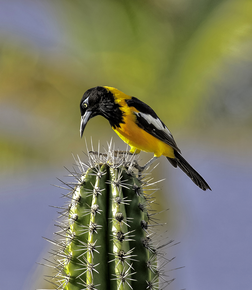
(106, 241)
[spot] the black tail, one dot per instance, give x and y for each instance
(187, 168)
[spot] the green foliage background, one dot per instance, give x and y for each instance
(171, 54)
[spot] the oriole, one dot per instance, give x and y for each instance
(137, 125)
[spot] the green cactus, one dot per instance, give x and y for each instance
(106, 241)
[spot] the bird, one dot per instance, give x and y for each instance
(136, 124)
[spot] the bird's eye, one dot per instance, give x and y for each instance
(84, 105)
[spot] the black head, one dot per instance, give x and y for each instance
(90, 105)
(100, 101)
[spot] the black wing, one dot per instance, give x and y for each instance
(148, 120)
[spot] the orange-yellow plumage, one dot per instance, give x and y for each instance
(135, 137)
(137, 125)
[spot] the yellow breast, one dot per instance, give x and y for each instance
(137, 138)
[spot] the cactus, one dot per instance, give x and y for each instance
(106, 237)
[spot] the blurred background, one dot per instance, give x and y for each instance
(191, 60)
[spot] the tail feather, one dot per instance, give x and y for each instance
(187, 168)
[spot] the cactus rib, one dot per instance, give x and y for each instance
(107, 241)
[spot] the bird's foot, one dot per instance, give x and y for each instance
(98, 153)
(116, 153)
(142, 168)
(133, 163)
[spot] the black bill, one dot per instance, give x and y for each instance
(84, 120)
